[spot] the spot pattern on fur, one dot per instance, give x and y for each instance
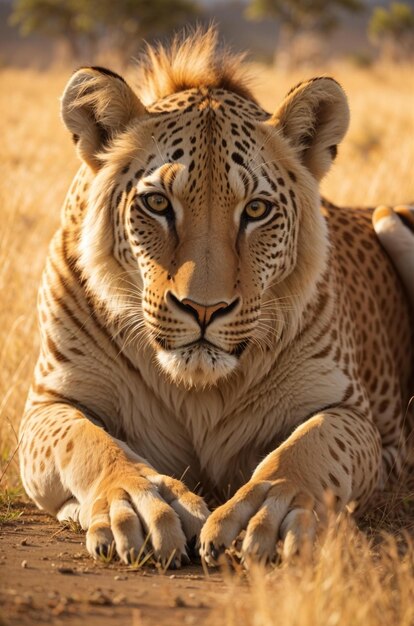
(268, 359)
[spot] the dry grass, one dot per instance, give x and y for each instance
(37, 165)
(350, 583)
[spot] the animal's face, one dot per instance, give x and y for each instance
(211, 221)
(208, 203)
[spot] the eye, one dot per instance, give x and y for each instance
(156, 203)
(257, 210)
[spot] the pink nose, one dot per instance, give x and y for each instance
(202, 312)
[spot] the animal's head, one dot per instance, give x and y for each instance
(203, 224)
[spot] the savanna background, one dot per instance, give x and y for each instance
(359, 574)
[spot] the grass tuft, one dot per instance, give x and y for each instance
(107, 556)
(9, 509)
(145, 556)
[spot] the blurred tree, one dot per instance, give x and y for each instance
(128, 21)
(302, 16)
(121, 24)
(66, 19)
(392, 30)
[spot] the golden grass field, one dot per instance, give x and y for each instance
(350, 582)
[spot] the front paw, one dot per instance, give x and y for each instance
(141, 513)
(268, 511)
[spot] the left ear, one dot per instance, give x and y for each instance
(314, 117)
(97, 105)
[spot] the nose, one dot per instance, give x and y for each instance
(204, 313)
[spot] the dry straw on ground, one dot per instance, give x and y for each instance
(351, 582)
(348, 584)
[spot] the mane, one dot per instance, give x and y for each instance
(190, 61)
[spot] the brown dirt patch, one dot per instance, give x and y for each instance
(47, 577)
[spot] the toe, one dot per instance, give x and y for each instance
(163, 525)
(193, 513)
(190, 508)
(262, 532)
(224, 525)
(298, 531)
(99, 541)
(126, 527)
(99, 537)
(70, 510)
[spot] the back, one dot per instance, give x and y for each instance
(383, 320)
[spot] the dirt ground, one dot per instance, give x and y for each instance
(47, 577)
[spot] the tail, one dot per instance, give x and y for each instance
(395, 230)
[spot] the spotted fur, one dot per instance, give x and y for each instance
(268, 360)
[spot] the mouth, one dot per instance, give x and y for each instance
(204, 343)
(199, 363)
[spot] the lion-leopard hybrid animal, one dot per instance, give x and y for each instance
(207, 320)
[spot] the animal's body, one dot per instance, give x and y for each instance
(205, 316)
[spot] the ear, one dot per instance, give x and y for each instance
(314, 117)
(96, 105)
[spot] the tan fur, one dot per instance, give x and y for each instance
(315, 117)
(192, 61)
(96, 109)
(259, 359)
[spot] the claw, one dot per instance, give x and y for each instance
(104, 551)
(216, 552)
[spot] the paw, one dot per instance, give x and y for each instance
(140, 514)
(269, 511)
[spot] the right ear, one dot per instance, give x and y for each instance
(96, 105)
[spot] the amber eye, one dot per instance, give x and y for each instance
(257, 209)
(157, 203)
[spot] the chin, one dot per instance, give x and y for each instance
(197, 366)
